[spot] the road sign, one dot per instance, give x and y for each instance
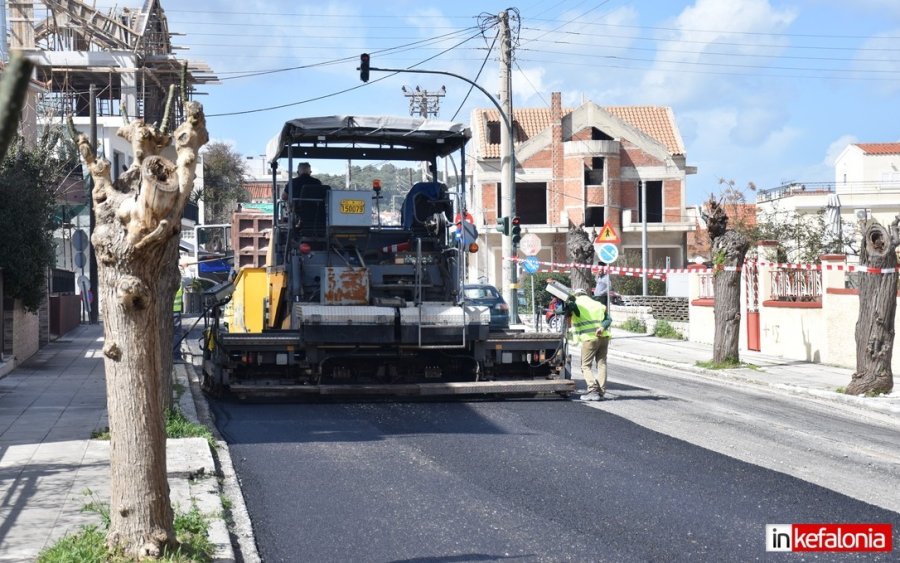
(79, 240)
(607, 235)
(530, 244)
(608, 253)
(530, 264)
(80, 259)
(469, 233)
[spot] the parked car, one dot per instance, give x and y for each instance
(554, 315)
(488, 296)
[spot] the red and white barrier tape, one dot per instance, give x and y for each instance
(614, 270)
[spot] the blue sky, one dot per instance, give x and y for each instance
(764, 91)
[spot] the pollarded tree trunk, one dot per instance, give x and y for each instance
(580, 250)
(136, 241)
(877, 309)
(728, 250)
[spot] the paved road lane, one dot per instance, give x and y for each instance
(520, 480)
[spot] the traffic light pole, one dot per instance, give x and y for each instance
(507, 180)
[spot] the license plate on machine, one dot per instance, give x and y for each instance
(353, 206)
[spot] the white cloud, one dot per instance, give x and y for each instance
(685, 63)
(876, 58)
(836, 148)
(756, 123)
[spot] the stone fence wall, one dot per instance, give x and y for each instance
(672, 309)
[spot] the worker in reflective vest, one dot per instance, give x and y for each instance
(589, 326)
(178, 303)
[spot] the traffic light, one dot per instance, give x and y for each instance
(516, 230)
(502, 225)
(364, 67)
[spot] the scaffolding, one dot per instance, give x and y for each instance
(126, 53)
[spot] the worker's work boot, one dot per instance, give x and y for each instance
(592, 396)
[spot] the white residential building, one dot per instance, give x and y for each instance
(866, 186)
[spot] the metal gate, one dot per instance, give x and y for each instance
(751, 285)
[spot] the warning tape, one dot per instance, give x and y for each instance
(828, 267)
(614, 270)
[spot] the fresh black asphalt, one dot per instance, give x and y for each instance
(507, 480)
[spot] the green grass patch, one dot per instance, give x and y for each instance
(841, 390)
(89, 544)
(727, 364)
(665, 330)
(632, 324)
(177, 426)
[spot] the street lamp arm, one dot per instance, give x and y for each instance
(445, 73)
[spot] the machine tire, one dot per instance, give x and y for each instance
(555, 323)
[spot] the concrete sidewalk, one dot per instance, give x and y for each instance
(49, 407)
(796, 377)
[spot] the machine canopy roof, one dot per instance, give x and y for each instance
(367, 137)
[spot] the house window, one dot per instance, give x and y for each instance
(531, 202)
(654, 202)
(594, 216)
(494, 128)
(598, 135)
(594, 175)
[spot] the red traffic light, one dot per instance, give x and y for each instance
(364, 67)
(516, 230)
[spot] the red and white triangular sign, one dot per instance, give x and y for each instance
(607, 235)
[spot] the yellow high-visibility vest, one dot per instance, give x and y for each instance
(587, 319)
(178, 305)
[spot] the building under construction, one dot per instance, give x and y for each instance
(126, 53)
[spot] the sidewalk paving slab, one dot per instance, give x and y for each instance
(50, 468)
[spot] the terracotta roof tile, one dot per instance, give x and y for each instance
(655, 121)
(260, 192)
(879, 148)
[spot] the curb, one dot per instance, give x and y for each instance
(865, 404)
(218, 533)
(240, 528)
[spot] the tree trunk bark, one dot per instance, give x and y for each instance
(136, 241)
(728, 249)
(877, 310)
(580, 250)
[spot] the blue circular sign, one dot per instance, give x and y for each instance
(608, 253)
(530, 264)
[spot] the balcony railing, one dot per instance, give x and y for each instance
(796, 285)
(792, 189)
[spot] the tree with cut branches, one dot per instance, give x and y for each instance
(136, 243)
(580, 250)
(729, 247)
(877, 310)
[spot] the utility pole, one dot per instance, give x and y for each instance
(643, 185)
(424, 103)
(94, 319)
(507, 167)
